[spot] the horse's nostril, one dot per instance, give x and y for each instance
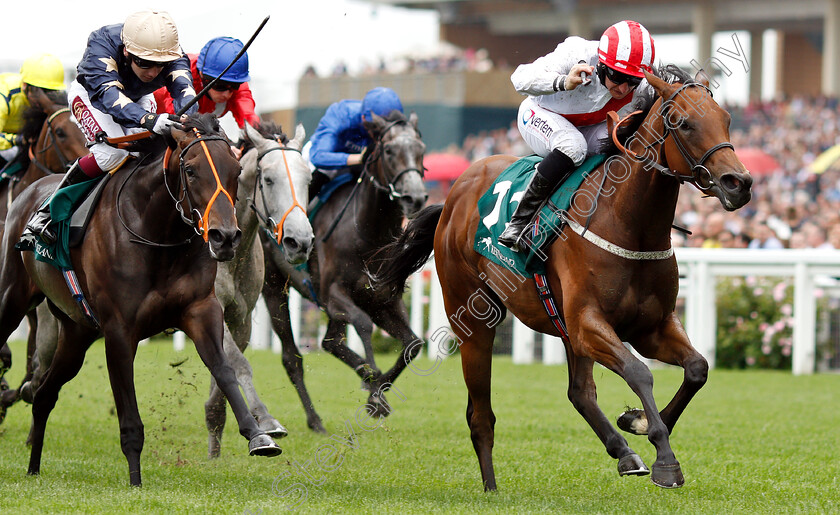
(215, 235)
(290, 243)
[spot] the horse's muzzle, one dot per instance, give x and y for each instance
(735, 189)
(223, 242)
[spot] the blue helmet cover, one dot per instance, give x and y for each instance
(380, 101)
(217, 54)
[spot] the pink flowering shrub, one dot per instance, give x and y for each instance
(755, 322)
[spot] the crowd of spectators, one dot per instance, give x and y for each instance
(792, 207)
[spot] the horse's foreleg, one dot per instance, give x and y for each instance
(277, 302)
(204, 324)
(582, 394)
(334, 343)
(606, 348)
(46, 340)
(394, 320)
(342, 308)
(236, 340)
(68, 360)
(670, 345)
(120, 350)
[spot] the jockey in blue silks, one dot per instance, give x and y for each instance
(340, 139)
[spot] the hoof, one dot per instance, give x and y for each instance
(273, 428)
(317, 426)
(667, 476)
(633, 421)
(632, 465)
(377, 406)
(263, 445)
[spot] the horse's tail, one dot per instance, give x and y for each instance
(408, 253)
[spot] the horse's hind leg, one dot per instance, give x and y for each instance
(277, 302)
(74, 340)
(476, 361)
(670, 345)
(204, 324)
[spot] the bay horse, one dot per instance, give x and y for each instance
(389, 188)
(58, 143)
(621, 289)
(142, 269)
(273, 193)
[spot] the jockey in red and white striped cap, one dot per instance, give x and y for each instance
(569, 93)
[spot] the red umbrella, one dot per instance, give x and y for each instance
(444, 167)
(757, 161)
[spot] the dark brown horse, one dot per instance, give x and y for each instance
(390, 187)
(58, 142)
(607, 294)
(143, 269)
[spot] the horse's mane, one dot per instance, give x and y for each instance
(33, 121)
(267, 129)
(669, 73)
(206, 124)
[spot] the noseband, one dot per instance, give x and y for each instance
(269, 224)
(393, 194)
(700, 176)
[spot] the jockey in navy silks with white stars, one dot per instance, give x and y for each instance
(340, 139)
(122, 66)
(562, 119)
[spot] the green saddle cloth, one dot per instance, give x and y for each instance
(62, 206)
(499, 202)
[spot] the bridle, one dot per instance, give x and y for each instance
(393, 194)
(273, 228)
(700, 176)
(198, 221)
(51, 142)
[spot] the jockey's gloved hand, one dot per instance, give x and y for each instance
(18, 140)
(160, 123)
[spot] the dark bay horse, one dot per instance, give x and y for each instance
(621, 289)
(58, 143)
(273, 193)
(143, 269)
(390, 187)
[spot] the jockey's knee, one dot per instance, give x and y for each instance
(107, 157)
(572, 144)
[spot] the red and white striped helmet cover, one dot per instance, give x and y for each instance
(627, 47)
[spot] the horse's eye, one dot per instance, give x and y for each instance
(60, 133)
(269, 182)
(685, 126)
(190, 172)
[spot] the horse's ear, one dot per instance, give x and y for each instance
(300, 135)
(663, 89)
(251, 133)
(702, 77)
(374, 125)
(412, 119)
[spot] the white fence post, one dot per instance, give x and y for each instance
(523, 343)
(804, 322)
(437, 314)
(554, 353)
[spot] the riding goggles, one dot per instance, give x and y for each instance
(145, 64)
(618, 78)
(221, 85)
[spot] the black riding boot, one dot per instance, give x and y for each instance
(319, 180)
(550, 173)
(39, 224)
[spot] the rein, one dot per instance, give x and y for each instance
(65, 163)
(201, 224)
(272, 227)
(700, 176)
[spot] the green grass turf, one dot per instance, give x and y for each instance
(750, 442)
